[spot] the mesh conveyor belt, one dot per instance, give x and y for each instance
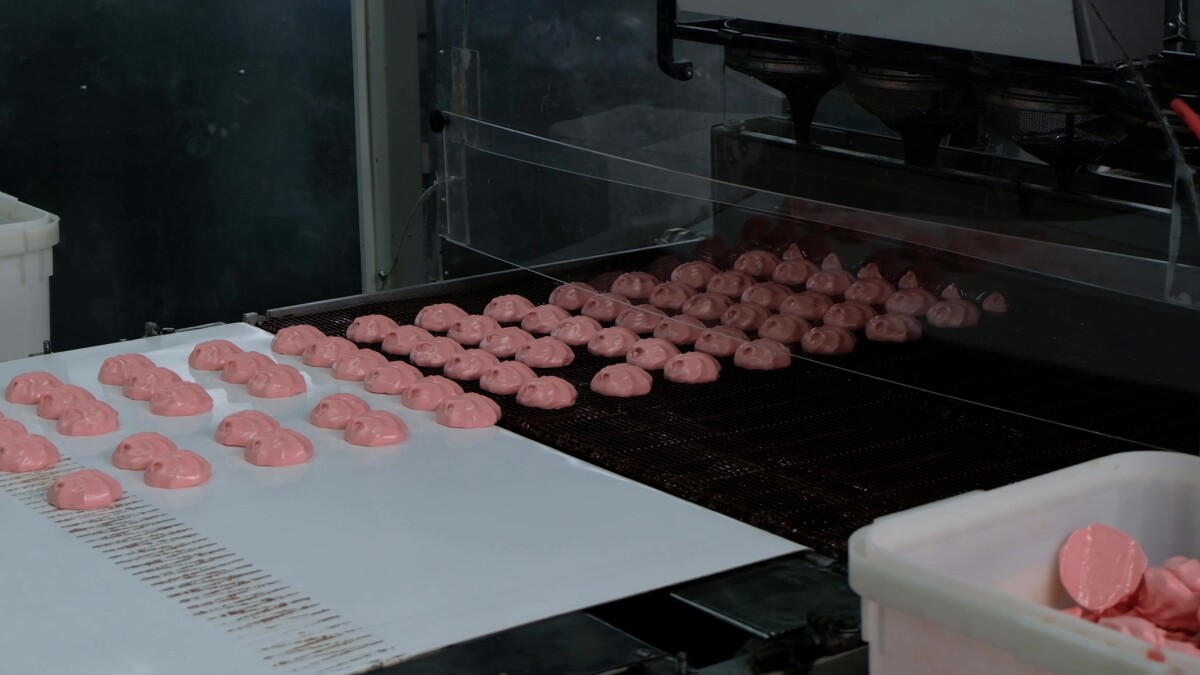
(812, 453)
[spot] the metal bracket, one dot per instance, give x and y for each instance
(678, 68)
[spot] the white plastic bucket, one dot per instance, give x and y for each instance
(27, 239)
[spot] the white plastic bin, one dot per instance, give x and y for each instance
(970, 584)
(27, 239)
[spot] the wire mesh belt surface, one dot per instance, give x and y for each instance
(812, 453)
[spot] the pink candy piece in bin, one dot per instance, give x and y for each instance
(237, 429)
(1100, 566)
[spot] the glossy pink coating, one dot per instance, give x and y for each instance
(22, 454)
(237, 429)
(429, 392)
(376, 429)
(785, 328)
(605, 307)
(212, 354)
(721, 340)
(177, 470)
(142, 385)
(762, 354)
(953, 314)
(745, 316)
(635, 285)
(731, 284)
(116, 369)
(910, 301)
(508, 308)
(336, 410)
(83, 490)
(995, 303)
(572, 296)
(1186, 570)
(830, 282)
(807, 305)
(651, 353)
(692, 368)
(671, 295)
(371, 329)
(401, 341)
(323, 352)
(469, 365)
(769, 294)
(622, 380)
(1100, 566)
(1137, 627)
(546, 352)
(293, 340)
(707, 306)
(281, 447)
(851, 315)
(794, 252)
(183, 399)
(353, 367)
(277, 381)
(794, 272)
(870, 291)
(869, 271)
(576, 330)
(757, 263)
(506, 378)
(642, 319)
(135, 452)
(470, 330)
(468, 411)
(392, 377)
(505, 342)
(828, 340)
(1163, 599)
(696, 274)
(438, 318)
(239, 367)
(951, 292)
(10, 428)
(435, 352)
(679, 330)
(612, 342)
(542, 319)
(547, 393)
(55, 400)
(27, 388)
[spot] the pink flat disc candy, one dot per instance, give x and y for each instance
(322, 353)
(354, 367)
(622, 380)
(282, 447)
(376, 429)
(692, 368)
(55, 401)
(429, 392)
(635, 285)
(141, 386)
(953, 314)
(828, 340)
(572, 296)
(746, 316)
(721, 340)
(679, 330)
(508, 308)
(212, 354)
(470, 330)
(402, 340)
(240, 367)
(576, 330)
(182, 399)
(21, 454)
(370, 329)
(506, 378)
(435, 352)
(642, 319)
(785, 328)
(696, 274)
(730, 284)
(277, 381)
(547, 393)
(468, 411)
(612, 342)
(605, 307)
(10, 428)
(894, 328)
(293, 340)
(392, 377)
(177, 470)
(910, 301)
(1100, 566)
(505, 342)
(135, 452)
(27, 388)
(116, 369)
(541, 320)
(707, 306)
(546, 352)
(83, 490)
(651, 353)
(757, 263)
(769, 294)
(807, 305)
(671, 295)
(762, 354)
(1162, 598)
(336, 410)
(849, 315)
(237, 429)
(469, 365)
(88, 418)
(438, 318)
